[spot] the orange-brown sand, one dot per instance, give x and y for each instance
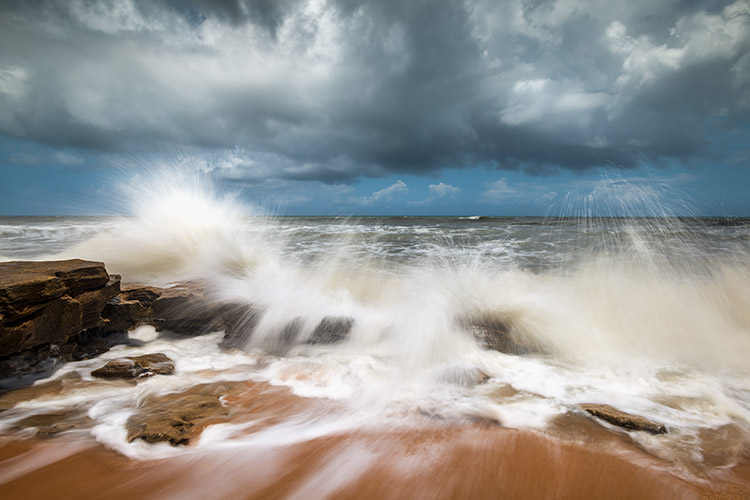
(434, 460)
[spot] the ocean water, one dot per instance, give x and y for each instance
(650, 315)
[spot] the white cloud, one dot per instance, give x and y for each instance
(695, 38)
(550, 103)
(438, 191)
(498, 191)
(385, 194)
(442, 189)
(642, 61)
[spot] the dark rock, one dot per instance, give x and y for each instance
(132, 367)
(239, 321)
(331, 330)
(48, 302)
(46, 358)
(178, 417)
(182, 309)
(622, 419)
(497, 335)
(123, 315)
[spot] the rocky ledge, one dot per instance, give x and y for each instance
(49, 302)
(52, 312)
(57, 311)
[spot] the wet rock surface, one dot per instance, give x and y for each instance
(139, 366)
(239, 321)
(496, 335)
(331, 330)
(57, 311)
(47, 425)
(178, 418)
(622, 419)
(49, 302)
(182, 309)
(465, 376)
(47, 357)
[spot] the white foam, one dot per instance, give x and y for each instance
(622, 324)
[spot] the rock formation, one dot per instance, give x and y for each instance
(177, 418)
(497, 335)
(331, 330)
(51, 312)
(139, 366)
(183, 308)
(622, 419)
(57, 311)
(49, 302)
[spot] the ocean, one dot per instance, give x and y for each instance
(649, 315)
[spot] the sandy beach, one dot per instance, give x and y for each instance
(430, 460)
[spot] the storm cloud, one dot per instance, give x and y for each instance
(334, 90)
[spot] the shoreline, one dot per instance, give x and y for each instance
(438, 460)
(431, 456)
(420, 457)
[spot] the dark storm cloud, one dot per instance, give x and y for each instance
(268, 14)
(331, 90)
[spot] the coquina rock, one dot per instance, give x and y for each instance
(50, 302)
(177, 418)
(57, 311)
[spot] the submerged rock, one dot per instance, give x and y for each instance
(50, 424)
(132, 367)
(622, 419)
(496, 335)
(331, 330)
(52, 388)
(239, 322)
(179, 417)
(466, 376)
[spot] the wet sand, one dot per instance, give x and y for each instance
(431, 460)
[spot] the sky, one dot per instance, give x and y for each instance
(380, 107)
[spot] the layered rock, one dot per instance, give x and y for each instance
(49, 302)
(58, 311)
(51, 312)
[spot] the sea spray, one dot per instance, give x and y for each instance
(646, 314)
(180, 227)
